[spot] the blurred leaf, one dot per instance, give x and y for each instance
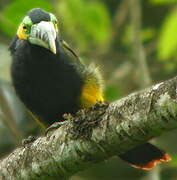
(4, 63)
(174, 160)
(88, 21)
(170, 65)
(126, 37)
(146, 35)
(167, 43)
(12, 14)
(162, 1)
(112, 92)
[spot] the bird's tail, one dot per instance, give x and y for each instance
(145, 156)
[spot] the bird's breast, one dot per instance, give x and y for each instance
(46, 84)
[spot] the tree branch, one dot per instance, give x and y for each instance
(96, 134)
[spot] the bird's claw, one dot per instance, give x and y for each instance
(55, 125)
(28, 140)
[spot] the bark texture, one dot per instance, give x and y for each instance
(95, 134)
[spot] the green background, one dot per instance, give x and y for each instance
(100, 31)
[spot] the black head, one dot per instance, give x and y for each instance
(39, 28)
(37, 15)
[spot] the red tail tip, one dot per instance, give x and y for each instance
(166, 157)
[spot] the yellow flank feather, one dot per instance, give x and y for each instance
(90, 95)
(92, 90)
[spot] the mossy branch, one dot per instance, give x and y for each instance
(95, 134)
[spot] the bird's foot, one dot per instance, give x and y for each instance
(28, 140)
(55, 125)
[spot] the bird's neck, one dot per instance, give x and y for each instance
(33, 52)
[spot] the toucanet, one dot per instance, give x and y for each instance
(50, 79)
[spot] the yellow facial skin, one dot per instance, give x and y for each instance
(56, 27)
(55, 22)
(22, 32)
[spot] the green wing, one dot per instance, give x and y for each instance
(72, 56)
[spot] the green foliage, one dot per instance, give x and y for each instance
(15, 11)
(126, 37)
(4, 63)
(167, 43)
(146, 35)
(87, 24)
(88, 21)
(112, 92)
(162, 1)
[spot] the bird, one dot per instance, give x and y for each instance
(51, 79)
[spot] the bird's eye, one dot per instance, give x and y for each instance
(55, 22)
(24, 28)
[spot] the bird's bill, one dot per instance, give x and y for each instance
(43, 34)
